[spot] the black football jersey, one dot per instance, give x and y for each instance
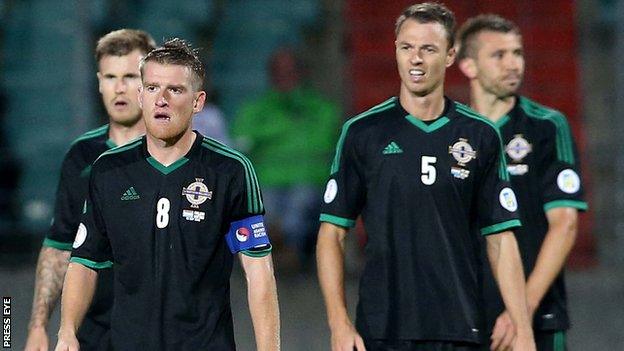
(543, 164)
(426, 192)
(70, 196)
(73, 185)
(169, 233)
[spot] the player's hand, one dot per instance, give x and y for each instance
(503, 333)
(346, 338)
(67, 341)
(37, 339)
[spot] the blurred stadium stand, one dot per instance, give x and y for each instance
(248, 32)
(48, 71)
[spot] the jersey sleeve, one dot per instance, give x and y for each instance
(497, 203)
(247, 232)
(344, 194)
(561, 182)
(91, 246)
(70, 196)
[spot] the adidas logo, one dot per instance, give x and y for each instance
(392, 148)
(130, 194)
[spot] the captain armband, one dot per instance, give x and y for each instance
(248, 235)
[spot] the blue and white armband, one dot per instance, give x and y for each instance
(248, 235)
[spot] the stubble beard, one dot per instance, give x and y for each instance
(129, 121)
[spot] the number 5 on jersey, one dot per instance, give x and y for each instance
(162, 212)
(428, 176)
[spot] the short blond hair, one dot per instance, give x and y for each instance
(122, 42)
(178, 52)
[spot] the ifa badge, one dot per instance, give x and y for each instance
(197, 193)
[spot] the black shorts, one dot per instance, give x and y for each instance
(550, 340)
(412, 345)
(94, 337)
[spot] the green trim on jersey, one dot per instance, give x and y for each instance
(92, 134)
(166, 169)
(559, 341)
(499, 227)
(466, 111)
(91, 264)
(565, 151)
(428, 128)
(57, 244)
(579, 205)
(85, 172)
(343, 222)
(502, 121)
(379, 108)
(111, 144)
(254, 199)
(257, 253)
(128, 146)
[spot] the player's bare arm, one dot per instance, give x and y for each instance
(263, 302)
(506, 265)
(51, 268)
(78, 291)
(330, 263)
(551, 259)
(559, 240)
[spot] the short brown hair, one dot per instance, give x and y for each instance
(429, 12)
(475, 25)
(122, 42)
(178, 52)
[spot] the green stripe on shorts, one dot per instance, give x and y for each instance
(559, 341)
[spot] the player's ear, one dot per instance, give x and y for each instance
(468, 66)
(198, 102)
(450, 56)
(99, 77)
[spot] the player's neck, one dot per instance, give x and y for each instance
(489, 105)
(425, 108)
(169, 151)
(120, 134)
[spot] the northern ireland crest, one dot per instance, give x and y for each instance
(462, 151)
(197, 193)
(518, 148)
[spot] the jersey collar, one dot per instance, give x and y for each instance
(510, 115)
(177, 164)
(429, 126)
(109, 142)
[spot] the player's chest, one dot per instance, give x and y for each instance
(522, 149)
(425, 159)
(189, 200)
